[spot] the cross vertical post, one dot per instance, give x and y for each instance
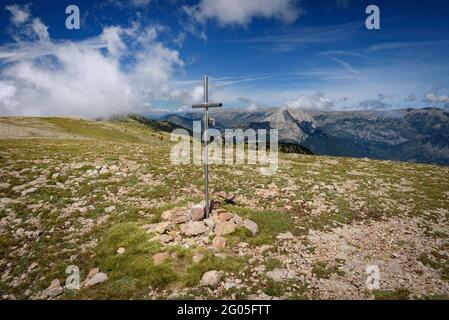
(206, 105)
(206, 143)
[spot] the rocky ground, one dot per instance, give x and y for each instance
(100, 202)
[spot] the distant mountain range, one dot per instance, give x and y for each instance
(412, 135)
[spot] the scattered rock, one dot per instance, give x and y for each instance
(20, 232)
(159, 258)
(225, 228)
(259, 296)
(227, 197)
(211, 278)
(265, 248)
(96, 279)
(225, 216)
(197, 212)
(103, 171)
(281, 274)
(28, 191)
(92, 273)
(230, 284)
(193, 228)
(55, 289)
(238, 220)
(157, 227)
(109, 209)
(32, 266)
(165, 238)
(285, 236)
(121, 250)
(209, 222)
(219, 242)
(251, 226)
(176, 215)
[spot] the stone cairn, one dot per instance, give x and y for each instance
(188, 226)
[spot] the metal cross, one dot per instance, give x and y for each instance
(206, 105)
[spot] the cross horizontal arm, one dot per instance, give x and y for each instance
(208, 105)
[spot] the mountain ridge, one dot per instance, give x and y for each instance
(410, 135)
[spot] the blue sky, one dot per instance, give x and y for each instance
(149, 55)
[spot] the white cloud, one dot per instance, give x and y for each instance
(86, 78)
(40, 30)
(19, 14)
(24, 27)
(253, 107)
(409, 45)
(140, 3)
(433, 98)
(345, 65)
(316, 101)
(238, 12)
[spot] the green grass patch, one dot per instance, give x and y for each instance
(270, 224)
(400, 294)
(324, 271)
(210, 262)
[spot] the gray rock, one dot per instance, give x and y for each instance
(176, 215)
(93, 272)
(238, 220)
(251, 226)
(225, 228)
(285, 236)
(211, 278)
(96, 279)
(281, 274)
(260, 296)
(197, 212)
(209, 222)
(55, 289)
(121, 250)
(219, 242)
(193, 228)
(165, 238)
(158, 227)
(225, 216)
(109, 209)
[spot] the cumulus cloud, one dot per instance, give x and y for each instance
(251, 105)
(316, 101)
(229, 12)
(433, 98)
(39, 76)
